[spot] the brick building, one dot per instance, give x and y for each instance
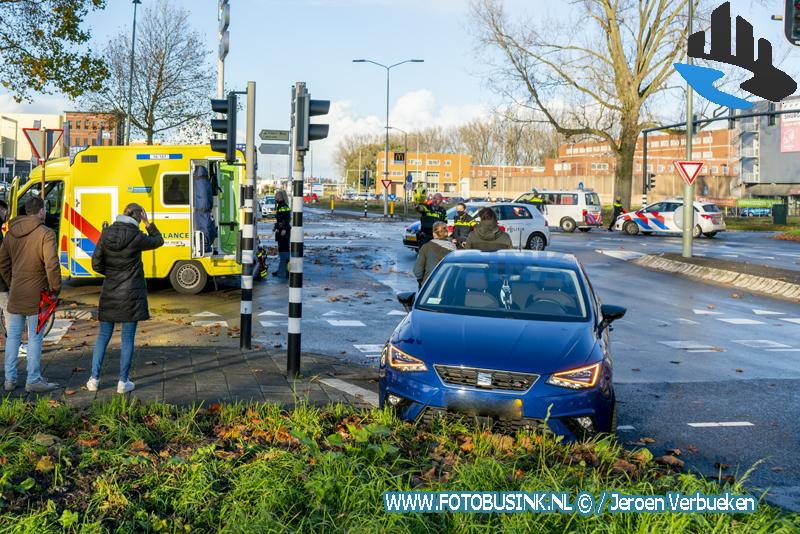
(84, 129)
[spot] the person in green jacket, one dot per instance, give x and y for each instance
(487, 235)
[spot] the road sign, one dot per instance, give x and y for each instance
(42, 141)
(274, 135)
(274, 149)
(3, 170)
(386, 183)
(688, 170)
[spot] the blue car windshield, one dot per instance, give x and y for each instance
(511, 290)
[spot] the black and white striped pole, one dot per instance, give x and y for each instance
(304, 132)
(249, 226)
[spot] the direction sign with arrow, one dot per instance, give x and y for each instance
(274, 149)
(689, 170)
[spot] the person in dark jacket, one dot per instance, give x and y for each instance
(430, 214)
(203, 204)
(487, 235)
(462, 226)
(282, 229)
(28, 264)
(123, 299)
(432, 252)
(3, 285)
(618, 210)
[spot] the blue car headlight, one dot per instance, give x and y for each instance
(401, 361)
(579, 378)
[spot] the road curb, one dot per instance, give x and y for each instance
(757, 284)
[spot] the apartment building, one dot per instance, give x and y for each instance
(440, 172)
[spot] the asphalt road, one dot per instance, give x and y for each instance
(697, 367)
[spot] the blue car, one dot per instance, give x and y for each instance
(504, 338)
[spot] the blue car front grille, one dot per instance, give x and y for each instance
(454, 375)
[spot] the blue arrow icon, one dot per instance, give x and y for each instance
(702, 80)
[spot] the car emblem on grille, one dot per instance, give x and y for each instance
(484, 380)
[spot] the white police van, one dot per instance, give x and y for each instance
(569, 209)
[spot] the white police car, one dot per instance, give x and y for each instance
(667, 217)
(524, 224)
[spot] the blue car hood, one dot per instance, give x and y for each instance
(542, 347)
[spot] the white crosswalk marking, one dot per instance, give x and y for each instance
(720, 423)
(791, 320)
(686, 321)
(332, 313)
(760, 343)
(334, 322)
(270, 313)
(206, 314)
(705, 312)
(396, 312)
(624, 255)
(369, 348)
(766, 312)
(351, 389)
(60, 327)
(209, 323)
(687, 345)
(739, 321)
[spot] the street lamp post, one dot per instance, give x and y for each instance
(405, 167)
(130, 81)
(386, 151)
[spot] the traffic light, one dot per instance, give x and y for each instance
(365, 178)
(486, 184)
(651, 181)
(227, 126)
(305, 108)
(494, 182)
(791, 21)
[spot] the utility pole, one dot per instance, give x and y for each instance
(130, 80)
(688, 190)
(224, 18)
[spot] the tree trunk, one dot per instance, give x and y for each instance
(623, 172)
(149, 133)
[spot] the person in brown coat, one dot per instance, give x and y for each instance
(28, 264)
(488, 236)
(432, 252)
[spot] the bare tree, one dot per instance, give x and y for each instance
(172, 78)
(600, 78)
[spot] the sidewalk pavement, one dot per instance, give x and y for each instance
(180, 364)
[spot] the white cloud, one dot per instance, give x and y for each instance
(44, 104)
(415, 110)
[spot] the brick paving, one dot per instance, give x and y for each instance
(180, 364)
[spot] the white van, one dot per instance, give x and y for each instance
(578, 208)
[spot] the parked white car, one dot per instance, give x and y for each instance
(267, 206)
(570, 209)
(523, 222)
(667, 217)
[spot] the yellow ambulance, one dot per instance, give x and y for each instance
(87, 191)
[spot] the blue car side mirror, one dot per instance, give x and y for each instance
(406, 299)
(610, 313)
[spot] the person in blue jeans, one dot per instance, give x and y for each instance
(28, 265)
(123, 299)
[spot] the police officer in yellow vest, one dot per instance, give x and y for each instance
(430, 214)
(462, 226)
(538, 201)
(618, 210)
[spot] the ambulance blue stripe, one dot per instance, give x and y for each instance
(78, 270)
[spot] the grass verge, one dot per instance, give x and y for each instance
(252, 468)
(761, 224)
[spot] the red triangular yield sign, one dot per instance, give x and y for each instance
(688, 170)
(386, 183)
(35, 137)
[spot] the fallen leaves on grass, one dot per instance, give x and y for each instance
(69, 392)
(87, 442)
(621, 466)
(674, 452)
(692, 448)
(670, 461)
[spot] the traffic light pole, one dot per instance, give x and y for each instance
(644, 171)
(249, 226)
(296, 268)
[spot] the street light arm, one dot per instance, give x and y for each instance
(406, 61)
(370, 61)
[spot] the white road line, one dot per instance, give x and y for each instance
(624, 255)
(686, 321)
(334, 322)
(332, 313)
(766, 312)
(739, 321)
(397, 312)
(369, 348)
(783, 350)
(351, 389)
(720, 423)
(209, 323)
(272, 324)
(206, 314)
(699, 351)
(705, 312)
(791, 320)
(270, 313)
(687, 345)
(625, 428)
(760, 343)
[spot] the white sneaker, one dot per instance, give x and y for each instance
(23, 351)
(93, 384)
(125, 387)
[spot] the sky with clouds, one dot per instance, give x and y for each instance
(278, 42)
